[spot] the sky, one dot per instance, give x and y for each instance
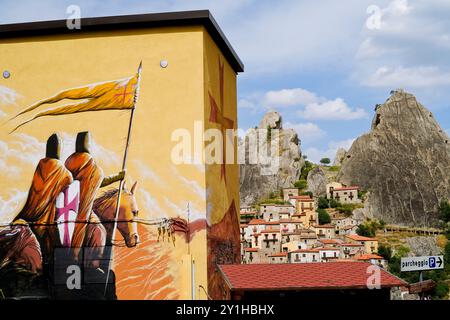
(323, 67)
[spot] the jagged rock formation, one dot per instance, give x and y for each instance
(340, 155)
(423, 246)
(317, 182)
(281, 170)
(404, 161)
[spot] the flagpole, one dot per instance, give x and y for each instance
(121, 183)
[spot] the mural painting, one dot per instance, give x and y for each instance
(66, 219)
(92, 205)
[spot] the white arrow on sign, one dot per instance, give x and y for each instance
(422, 263)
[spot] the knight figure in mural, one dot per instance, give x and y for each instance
(58, 222)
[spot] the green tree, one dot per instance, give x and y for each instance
(385, 251)
(334, 204)
(447, 253)
(272, 195)
(441, 290)
(364, 230)
(322, 203)
(305, 169)
(325, 161)
(306, 193)
(444, 211)
(301, 184)
(324, 217)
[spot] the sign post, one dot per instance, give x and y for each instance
(421, 264)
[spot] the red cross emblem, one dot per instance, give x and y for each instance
(67, 204)
(217, 116)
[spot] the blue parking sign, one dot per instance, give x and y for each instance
(432, 262)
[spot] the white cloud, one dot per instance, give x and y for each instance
(98, 152)
(408, 49)
(181, 210)
(145, 172)
(191, 185)
(10, 206)
(315, 154)
(22, 151)
(284, 37)
(412, 77)
(310, 105)
(307, 131)
(7, 95)
(289, 97)
(335, 109)
(194, 186)
(152, 208)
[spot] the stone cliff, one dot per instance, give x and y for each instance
(404, 162)
(258, 180)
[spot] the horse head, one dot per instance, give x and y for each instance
(128, 211)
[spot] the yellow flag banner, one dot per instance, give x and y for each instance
(111, 95)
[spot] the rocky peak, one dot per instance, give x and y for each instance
(255, 183)
(272, 120)
(403, 161)
(339, 157)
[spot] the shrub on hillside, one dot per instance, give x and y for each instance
(324, 217)
(301, 184)
(322, 203)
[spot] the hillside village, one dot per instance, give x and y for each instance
(290, 230)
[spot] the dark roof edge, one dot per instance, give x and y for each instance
(148, 20)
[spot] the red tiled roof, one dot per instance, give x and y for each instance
(289, 221)
(251, 249)
(302, 198)
(356, 237)
(243, 226)
(328, 249)
(365, 257)
(270, 231)
(327, 226)
(280, 254)
(303, 276)
(248, 212)
(305, 250)
(350, 245)
(271, 222)
(346, 188)
(256, 221)
(329, 241)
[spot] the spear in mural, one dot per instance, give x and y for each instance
(124, 165)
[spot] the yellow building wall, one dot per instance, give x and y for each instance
(221, 180)
(170, 98)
